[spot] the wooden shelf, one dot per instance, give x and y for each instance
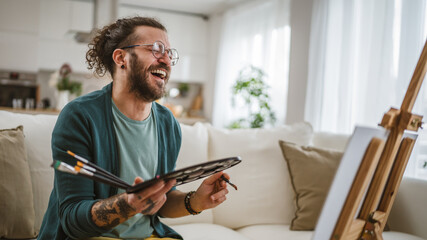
(184, 120)
(31, 111)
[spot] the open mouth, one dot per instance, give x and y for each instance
(159, 73)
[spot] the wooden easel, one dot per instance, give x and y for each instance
(382, 169)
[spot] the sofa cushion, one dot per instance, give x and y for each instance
(311, 170)
(16, 199)
(399, 236)
(330, 140)
(274, 231)
(198, 231)
(38, 131)
(409, 212)
(283, 232)
(194, 150)
(265, 194)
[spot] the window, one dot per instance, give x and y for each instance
(362, 57)
(257, 34)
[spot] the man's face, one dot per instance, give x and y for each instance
(148, 75)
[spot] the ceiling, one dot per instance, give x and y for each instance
(203, 7)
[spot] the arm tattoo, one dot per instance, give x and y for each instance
(150, 207)
(124, 208)
(110, 212)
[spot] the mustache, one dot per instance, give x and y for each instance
(160, 65)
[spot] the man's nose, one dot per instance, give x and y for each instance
(165, 59)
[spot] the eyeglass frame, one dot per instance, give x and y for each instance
(174, 61)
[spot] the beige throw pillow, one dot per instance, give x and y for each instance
(16, 195)
(311, 171)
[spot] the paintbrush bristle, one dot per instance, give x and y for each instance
(228, 181)
(55, 164)
(63, 167)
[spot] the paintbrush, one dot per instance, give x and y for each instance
(228, 181)
(99, 178)
(63, 167)
(86, 164)
(102, 173)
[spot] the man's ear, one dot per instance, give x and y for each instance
(119, 58)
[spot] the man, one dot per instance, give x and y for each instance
(121, 129)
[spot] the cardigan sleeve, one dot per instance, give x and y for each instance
(75, 194)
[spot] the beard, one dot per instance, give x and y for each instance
(139, 81)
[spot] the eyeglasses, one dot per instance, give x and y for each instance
(158, 49)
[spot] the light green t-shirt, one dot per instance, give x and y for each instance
(137, 143)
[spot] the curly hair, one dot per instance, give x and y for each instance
(116, 35)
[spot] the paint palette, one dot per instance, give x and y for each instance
(190, 174)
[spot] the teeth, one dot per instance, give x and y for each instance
(161, 72)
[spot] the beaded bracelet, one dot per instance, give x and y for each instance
(188, 205)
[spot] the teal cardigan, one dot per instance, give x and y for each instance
(85, 127)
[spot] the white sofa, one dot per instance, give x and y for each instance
(263, 206)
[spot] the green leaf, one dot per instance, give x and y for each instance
(253, 90)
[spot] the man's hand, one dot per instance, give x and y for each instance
(211, 193)
(150, 200)
(110, 212)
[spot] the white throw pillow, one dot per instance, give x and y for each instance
(194, 150)
(38, 133)
(265, 194)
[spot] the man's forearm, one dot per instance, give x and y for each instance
(210, 194)
(110, 212)
(174, 206)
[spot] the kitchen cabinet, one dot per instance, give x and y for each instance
(19, 16)
(81, 16)
(18, 51)
(59, 22)
(39, 34)
(19, 24)
(53, 53)
(59, 19)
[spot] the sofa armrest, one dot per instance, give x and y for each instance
(409, 212)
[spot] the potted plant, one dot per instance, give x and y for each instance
(65, 87)
(65, 84)
(183, 89)
(252, 89)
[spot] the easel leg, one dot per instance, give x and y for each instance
(396, 176)
(378, 232)
(360, 184)
(372, 231)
